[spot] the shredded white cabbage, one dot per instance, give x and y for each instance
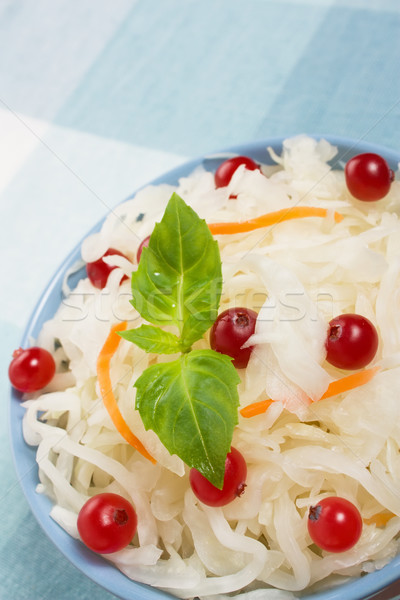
(297, 275)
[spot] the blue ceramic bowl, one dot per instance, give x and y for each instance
(92, 565)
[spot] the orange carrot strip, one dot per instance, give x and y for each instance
(103, 376)
(272, 218)
(257, 408)
(379, 519)
(345, 384)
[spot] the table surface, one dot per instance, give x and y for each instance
(97, 98)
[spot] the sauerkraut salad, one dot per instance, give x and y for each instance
(297, 275)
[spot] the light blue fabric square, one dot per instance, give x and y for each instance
(344, 81)
(46, 47)
(190, 76)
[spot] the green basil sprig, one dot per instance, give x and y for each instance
(191, 402)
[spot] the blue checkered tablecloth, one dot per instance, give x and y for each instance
(99, 97)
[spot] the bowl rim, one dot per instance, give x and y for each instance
(95, 567)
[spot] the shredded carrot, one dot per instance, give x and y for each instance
(272, 218)
(257, 408)
(379, 519)
(345, 384)
(103, 376)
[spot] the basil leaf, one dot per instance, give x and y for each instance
(191, 403)
(152, 339)
(179, 278)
